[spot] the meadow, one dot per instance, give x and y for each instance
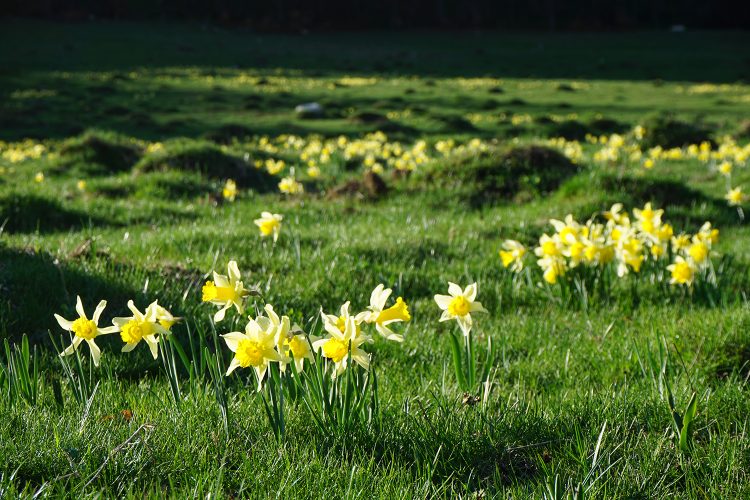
(136, 158)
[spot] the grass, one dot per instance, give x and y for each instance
(577, 399)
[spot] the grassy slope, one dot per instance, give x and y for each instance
(564, 372)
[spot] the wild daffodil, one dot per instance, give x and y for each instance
(331, 321)
(459, 305)
(141, 326)
(735, 197)
(86, 329)
(682, 271)
(512, 255)
(288, 185)
(382, 317)
(338, 344)
(226, 291)
(253, 348)
(291, 341)
(269, 224)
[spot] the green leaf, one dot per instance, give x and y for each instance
(456, 351)
(687, 425)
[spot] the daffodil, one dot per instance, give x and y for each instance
(549, 246)
(648, 220)
(85, 329)
(288, 185)
(229, 192)
(165, 318)
(81, 185)
(226, 291)
(698, 251)
(568, 230)
(339, 343)
(313, 171)
(735, 197)
(269, 224)
(255, 347)
(725, 168)
(682, 271)
(39, 177)
(331, 321)
(553, 268)
(512, 255)
(459, 305)
(291, 341)
(382, 317)
(616, 215)
(141, 326)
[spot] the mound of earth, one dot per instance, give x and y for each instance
(209, 160)
(518, 173)
(372, 186)
(99, 153)
(669, 132)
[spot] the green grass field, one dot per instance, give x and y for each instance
(118, 140)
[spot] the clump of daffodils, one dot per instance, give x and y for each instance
(289, 185)
(270, 338)
(143, 326)
(346, 334)
(624, 242)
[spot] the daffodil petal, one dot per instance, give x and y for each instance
(64, 323)
(79, 307)
(98, 311)
(95, 351)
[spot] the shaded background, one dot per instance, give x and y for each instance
(300, 15)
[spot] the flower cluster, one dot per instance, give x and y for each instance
(269, 338)
(623, 241)
(149, 326)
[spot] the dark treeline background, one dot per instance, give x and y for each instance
(319, 15)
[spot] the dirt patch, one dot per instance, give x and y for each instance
(370, 187)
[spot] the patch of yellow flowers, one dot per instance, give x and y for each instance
(624, 242)
(148, 326)
(270, 338)
(266, 337)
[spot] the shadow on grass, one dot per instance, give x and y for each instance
(37, 285)
(27, 213)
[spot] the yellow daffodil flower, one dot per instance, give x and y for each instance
(339, 343)
(725, 168)
(291, 341)
(141, 326)
(289, 185)
(226, 291)
(735, 197)
(459, 305)
(512, 255)
(85, 329)
(683, 271)
(332, 322)
(382, 317)
(229, 192)
(255, 347)
(269, 224)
